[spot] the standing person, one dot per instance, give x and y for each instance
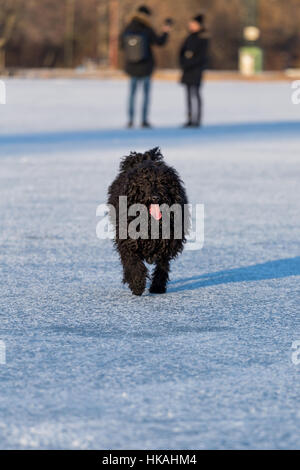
(193, 61)
(137, 41)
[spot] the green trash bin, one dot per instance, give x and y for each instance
(250, 60)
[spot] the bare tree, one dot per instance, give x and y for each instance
(69, 36)
(10, 13)
(102, 32)
(114, 9)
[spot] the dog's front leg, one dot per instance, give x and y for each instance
(160, 277)
(135, 272)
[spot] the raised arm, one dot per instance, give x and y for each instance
(160, 39)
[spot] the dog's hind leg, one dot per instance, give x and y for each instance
(160, 277)
(135, 273)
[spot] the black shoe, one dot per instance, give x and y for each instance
(188, 124)
(146, 125)
(130, 125)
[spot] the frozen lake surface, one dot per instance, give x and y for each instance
(207, 365)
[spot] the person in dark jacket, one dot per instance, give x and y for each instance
(193, 61)
(137, 41)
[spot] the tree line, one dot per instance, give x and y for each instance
(66, 33)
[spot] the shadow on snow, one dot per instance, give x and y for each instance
(271, 270)
(120, 136)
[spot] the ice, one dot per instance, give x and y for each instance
(209, 364)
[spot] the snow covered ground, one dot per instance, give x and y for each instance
(209, 364)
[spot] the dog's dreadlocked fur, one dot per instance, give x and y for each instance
(145, 179)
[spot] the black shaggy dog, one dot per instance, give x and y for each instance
(145, 179)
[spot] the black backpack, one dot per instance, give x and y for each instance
(136, 47)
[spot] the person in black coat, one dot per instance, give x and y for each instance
(137, 41)
(193, 60)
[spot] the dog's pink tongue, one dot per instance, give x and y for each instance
(155, 211)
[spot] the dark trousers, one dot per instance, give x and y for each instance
(145, 82)
(194, 104)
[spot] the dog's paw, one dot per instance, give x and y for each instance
(157, 289)
(138, 288)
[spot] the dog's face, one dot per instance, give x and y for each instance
(152, 185)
